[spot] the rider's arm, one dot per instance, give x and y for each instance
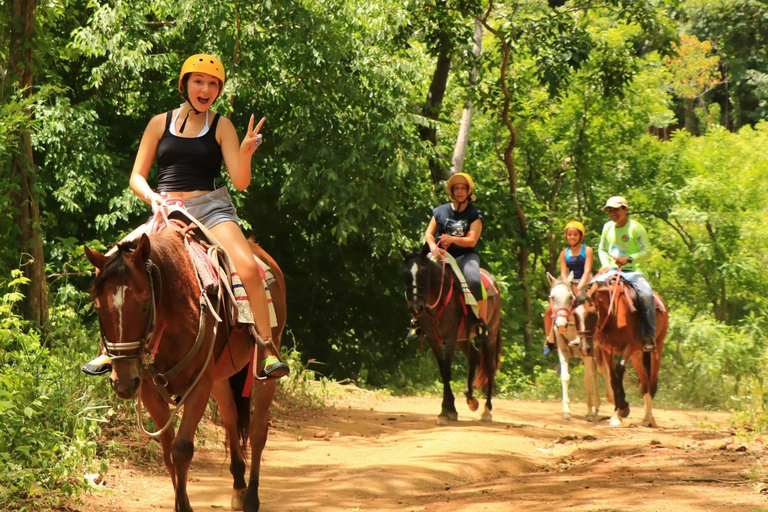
(238, 162)
(641, 237)
(605, 259)
(429, 234)
(145, 156)
(563, 267)
(473, 235)
(589, 255)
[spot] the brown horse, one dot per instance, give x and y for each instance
(435, 299)
(610, 327)
(148, 291)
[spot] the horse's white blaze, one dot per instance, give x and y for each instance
(118, 299)
(414, 271)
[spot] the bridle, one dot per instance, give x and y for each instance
(136, 347)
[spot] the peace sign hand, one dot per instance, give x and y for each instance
(252, 139)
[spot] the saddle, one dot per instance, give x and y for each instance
(631, 294)
(485, 277)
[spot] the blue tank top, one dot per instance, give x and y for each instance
(576, 263)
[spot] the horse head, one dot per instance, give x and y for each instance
(587, 307)
(561, 297)
(125, 292)
(416, 275)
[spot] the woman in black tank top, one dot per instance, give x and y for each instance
(190, 148)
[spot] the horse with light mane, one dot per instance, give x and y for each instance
(612, 328)
(567, 341)
(166, 346)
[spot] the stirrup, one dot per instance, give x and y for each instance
(649, 345)
(414, 331)
(98, 366)
(274, 368)
(482, 331)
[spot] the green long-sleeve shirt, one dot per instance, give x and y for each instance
(628, 240)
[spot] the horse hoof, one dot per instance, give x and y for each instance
(238, 498)
(486, 416)
(624, 413)
(649, 422)
(453, 416)
(566, 416)
(615, 422)
(473, 404)
(591, 418)
(442, 421)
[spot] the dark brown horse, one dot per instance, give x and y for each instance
(166, 344)
(610, 327)
(435, 299)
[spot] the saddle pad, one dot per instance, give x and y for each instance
(487, 279)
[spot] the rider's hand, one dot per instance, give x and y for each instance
(444, 240)
(253, 138)
(438, 252)
(156, 201)
(621, 260)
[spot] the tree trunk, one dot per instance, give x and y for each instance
(431, 110)
(509, 163)
(462, 141)
(691, 122)
(22, 24)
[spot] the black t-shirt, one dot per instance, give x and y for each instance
(455, 223)
(188, 163)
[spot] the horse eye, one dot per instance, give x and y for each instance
(145, 307)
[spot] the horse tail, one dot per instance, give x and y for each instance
(490, 353)
(242, 405)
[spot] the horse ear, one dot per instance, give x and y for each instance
(424, 250)
(143, 249)
(552, 280)
(95, 257)
(403, 252)
(570, 276)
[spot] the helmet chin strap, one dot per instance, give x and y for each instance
(192, 107)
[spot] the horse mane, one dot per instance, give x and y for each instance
(165, 247)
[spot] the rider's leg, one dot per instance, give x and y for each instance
(647, 308)
(231, 237)
(470, 267)
(549, 331)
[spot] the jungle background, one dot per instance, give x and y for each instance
(551, 106)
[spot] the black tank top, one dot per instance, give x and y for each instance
(188, 163)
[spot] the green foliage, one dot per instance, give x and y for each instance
(49, 422)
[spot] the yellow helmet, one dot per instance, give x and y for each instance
(461, 177)
(202, 63)
(576, 225)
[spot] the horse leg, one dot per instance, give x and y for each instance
(183, 448)
(473, 357)
(565, 377)
(261, 399)
(642, 362)
(223, 394)
(448, 408)
(617, 381)
(590, 383)
(160, 413)
(489, 361)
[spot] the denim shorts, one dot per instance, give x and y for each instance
(212, 208)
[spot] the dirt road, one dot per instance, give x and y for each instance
(369, 453)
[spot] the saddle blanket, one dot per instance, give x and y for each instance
(488, 288)
(213, 265)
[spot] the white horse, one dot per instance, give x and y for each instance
(567, 340)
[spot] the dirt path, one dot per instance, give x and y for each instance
(377, 453)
